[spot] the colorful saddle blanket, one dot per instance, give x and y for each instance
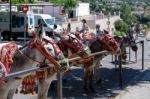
(72, 42)
(7, 51)
(110, 42)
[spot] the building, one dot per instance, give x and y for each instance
(147, 11)
(82, 9)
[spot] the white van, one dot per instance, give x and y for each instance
(48, 20)
(20, 24)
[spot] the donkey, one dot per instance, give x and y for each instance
(68, 42)
(36, 52)
(98, 43)
(126, 41)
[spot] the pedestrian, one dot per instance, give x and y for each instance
(137, 30)
(98, 30)
(130, 31)
(69, 28)
(85, 27)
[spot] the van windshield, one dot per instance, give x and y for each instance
(50, 21)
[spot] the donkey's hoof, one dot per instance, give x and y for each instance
(99, 81)
(52, 86)
(86, 90)
(116, 69)
(92, 90)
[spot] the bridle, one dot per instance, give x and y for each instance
(40, 47)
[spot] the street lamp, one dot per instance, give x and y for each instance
(108, 22)
(10, 29)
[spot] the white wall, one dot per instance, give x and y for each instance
(83, 9)
(54, 11)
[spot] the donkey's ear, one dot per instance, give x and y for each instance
(39, 33)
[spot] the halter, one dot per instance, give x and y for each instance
(77, 46)
(42, 50)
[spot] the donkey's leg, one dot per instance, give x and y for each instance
(91, 87)
(4, 93)
(86, 81)
(87, 74)
(11, 93)
(97, 75)
(43, 87)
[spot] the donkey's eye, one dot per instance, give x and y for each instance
(49, 49)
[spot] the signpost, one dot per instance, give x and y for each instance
(25, 9)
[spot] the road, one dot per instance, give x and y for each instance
(139, 89)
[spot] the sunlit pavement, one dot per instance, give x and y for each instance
(139, 90)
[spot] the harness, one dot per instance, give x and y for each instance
(72, 42)
(110, 42)
(10, 49)
(6, 54)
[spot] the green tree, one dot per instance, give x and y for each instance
(19, 1)
(126, 14)
(22, 1)
(68, 5)
(121, 26)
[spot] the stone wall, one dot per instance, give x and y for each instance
(103, 23)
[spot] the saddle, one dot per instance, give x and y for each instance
(7, 51)
(110, 42)
(73, 42)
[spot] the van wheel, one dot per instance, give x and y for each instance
(14, 38)
(6, 36)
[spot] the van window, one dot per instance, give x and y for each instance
(13, 21)
(1, 19)
(31, 21)
(5, 20)
(20, 21)
(41, 21)
(50, 21)
(17, 21)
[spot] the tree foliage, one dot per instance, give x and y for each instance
(126, 14)
(121, 26)
(19, 1)
(67, 4)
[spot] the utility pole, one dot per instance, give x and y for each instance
(10, 20)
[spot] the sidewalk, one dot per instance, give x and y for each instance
(139, 90)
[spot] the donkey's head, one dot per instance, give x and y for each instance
(68, 41)
(44, 46)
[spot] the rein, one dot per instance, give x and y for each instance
(42, 50)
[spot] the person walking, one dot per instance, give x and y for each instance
(69, 28)
(85, 27)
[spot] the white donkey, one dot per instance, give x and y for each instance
(26, 58)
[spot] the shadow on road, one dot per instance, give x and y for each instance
(109, 87)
